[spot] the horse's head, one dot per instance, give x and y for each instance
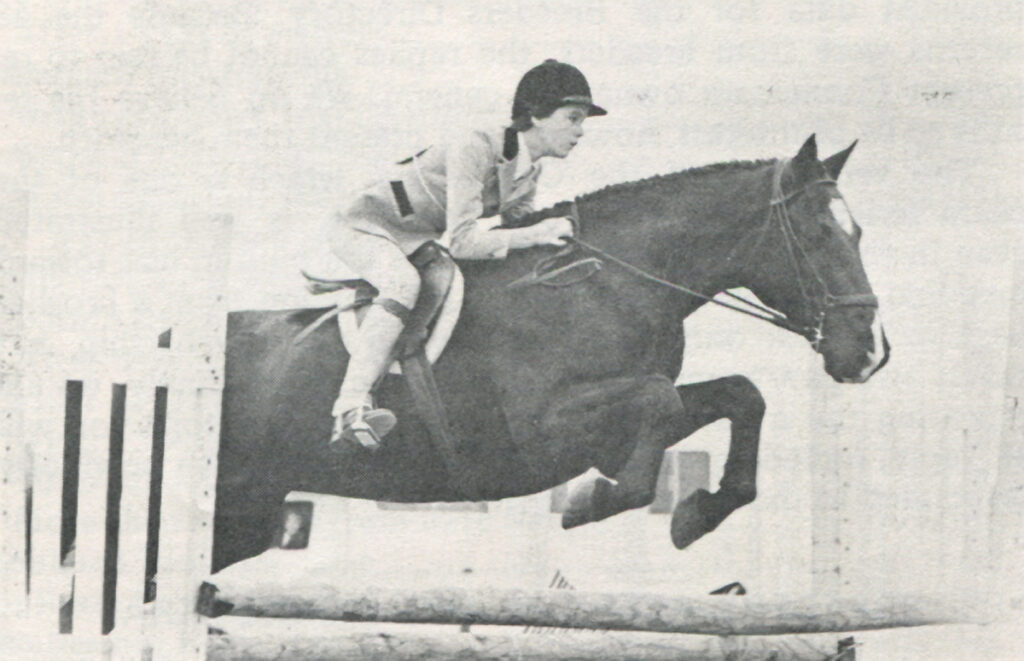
(806, 263)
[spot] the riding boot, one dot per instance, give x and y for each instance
(356, 420)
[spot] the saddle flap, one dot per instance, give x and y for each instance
(437, 271)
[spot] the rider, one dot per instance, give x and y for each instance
(439, 194)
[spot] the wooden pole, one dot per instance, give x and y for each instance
(91, 530)
(190, 456)
(714, 615)
(13, 458)
(830, 490)
(579, 646)
(1007, 508)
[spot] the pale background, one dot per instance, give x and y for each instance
(120, 119)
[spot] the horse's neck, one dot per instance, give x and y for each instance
(696, 232)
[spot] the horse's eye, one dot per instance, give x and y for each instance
(819, 231)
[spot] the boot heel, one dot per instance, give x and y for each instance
(366, 438)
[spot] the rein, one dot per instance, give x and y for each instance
(777, 211)
(769, 315)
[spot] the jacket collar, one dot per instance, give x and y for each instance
(507, 163)
(524, 160)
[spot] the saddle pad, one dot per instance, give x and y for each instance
(444, 325)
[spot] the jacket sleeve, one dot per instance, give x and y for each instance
(466, 166)
(510, 217)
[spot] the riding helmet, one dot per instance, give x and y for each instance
(550, 85)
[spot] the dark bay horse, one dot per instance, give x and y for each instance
(541, 384)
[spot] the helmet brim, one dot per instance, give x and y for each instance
(593, 110)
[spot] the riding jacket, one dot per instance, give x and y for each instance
(441, 192)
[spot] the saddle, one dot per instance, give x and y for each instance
(437, 271)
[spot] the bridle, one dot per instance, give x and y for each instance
(822, 300)
(818, 303)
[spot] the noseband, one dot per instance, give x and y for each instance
(819, 303)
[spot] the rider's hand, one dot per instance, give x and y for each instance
(551, 232)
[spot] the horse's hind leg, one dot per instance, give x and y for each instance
(739, 400)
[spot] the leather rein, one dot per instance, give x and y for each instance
(777, 214)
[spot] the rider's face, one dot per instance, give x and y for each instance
(559, 132)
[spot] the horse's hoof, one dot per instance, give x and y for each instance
(688, 522)
(588, 504)
(572, 519)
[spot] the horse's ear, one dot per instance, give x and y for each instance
(808, 152)
(805, 163)
(834, 163)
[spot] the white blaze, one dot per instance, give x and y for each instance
(877, 349)
(842, 215)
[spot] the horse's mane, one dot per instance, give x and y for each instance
(680, 177)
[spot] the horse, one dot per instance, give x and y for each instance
(541, 385)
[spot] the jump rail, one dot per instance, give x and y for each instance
(715, 615)
(579, 646)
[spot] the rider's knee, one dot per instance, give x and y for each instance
(401, 285)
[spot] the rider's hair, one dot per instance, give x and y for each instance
(525, 120)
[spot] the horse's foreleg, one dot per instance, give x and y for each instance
(737, 399)
(648, 414)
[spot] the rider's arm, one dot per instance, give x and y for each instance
(511, 217)
(466, 165)
(547, 232)
(465, 170)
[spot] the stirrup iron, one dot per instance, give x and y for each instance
(362, 426)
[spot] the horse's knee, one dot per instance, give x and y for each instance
(402, 286)
(742, 393)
